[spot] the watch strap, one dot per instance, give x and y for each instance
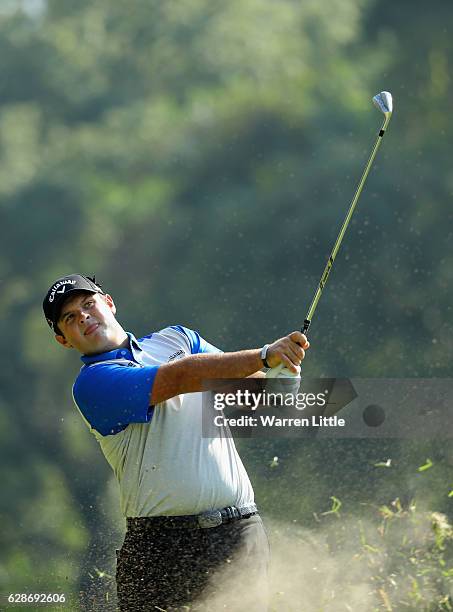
(263, 355)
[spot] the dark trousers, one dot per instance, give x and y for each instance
(221, 568)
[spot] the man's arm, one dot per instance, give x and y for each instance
(187, 375)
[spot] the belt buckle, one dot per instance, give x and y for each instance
(212, 518)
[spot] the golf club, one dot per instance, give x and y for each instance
(383, 101)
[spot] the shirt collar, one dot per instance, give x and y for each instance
(132, 352)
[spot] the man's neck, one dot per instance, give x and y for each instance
(121, 341)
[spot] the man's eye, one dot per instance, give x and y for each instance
(89, 304)
(69, 318)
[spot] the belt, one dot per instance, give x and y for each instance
(205, 520)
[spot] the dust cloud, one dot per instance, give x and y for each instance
(347, 564)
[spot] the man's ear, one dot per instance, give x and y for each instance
(110, 303)
(62, 340)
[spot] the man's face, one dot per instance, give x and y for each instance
(87, 322)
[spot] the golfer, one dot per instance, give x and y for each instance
(188, 501)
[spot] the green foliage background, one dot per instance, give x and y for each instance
(199, 157)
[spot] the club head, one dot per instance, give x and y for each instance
(383, 101)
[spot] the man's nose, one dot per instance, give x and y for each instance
(83, 316)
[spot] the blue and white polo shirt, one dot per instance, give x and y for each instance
(161, 461)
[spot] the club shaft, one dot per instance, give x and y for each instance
(344, 227)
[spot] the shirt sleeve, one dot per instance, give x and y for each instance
(196, 342)
(111, 396)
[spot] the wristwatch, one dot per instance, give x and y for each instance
(263, 355)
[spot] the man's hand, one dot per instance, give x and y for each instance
(289, 350)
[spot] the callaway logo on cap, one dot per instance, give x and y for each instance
(60, 290)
